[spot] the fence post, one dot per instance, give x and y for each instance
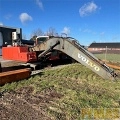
(106, 53)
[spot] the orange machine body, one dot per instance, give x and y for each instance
(19, 53)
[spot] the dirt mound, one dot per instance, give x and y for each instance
(24, 105)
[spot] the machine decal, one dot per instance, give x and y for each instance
(88, 62)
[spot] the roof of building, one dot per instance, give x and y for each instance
(3, 26)
(104, 45)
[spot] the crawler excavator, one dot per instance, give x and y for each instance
(44, 49)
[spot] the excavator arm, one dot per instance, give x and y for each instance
(73, 49)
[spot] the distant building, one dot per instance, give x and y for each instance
(105, 47)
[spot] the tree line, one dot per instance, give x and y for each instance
(38, 32)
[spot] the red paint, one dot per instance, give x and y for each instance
(18, 53)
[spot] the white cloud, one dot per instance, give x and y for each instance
(24, 17)
(66, 30)
(1, 23)
(39, 3)
(87, 9)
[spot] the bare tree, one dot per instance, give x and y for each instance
(24, 36)
(51, 32)
(38, 32)
(35, 33)
(33, 38)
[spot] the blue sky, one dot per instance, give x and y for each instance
(85, 20)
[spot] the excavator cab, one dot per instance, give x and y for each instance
(40, 39)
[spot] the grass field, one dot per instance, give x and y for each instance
(109, 57)
(78, 90)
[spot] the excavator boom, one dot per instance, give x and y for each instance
(73, 49)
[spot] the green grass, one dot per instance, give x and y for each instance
(79, 88)
(109, 57)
